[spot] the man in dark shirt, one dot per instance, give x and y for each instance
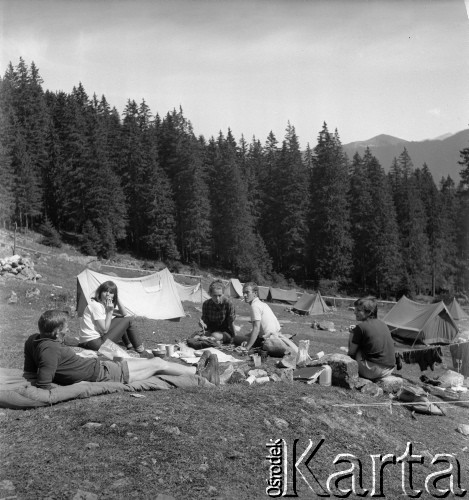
(218, 313)
(50, 361)
(370, 342)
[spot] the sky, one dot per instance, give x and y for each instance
(365, 67)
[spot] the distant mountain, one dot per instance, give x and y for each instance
(440, 154)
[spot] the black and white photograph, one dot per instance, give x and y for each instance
(234, 249)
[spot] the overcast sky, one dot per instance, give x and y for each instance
(397, 67)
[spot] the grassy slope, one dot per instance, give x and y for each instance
(219, 448)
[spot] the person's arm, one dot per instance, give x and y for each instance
(353, 342)
(256, 326)
(231, 316)
(29, 366)
(104, 324)
(48, 363)
(203, 319)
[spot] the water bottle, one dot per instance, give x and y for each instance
(325, 378)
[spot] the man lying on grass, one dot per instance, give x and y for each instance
(51, 361)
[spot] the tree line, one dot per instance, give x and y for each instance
(266, 211)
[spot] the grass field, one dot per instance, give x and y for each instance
(202, 443)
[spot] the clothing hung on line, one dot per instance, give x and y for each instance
(460, 352)
(425, 358)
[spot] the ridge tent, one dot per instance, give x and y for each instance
(411, 321)
(154, 296)
(311, 305)
(279, 295)
(191, 293)
(456, 311)
(263, 292)
(233, 288)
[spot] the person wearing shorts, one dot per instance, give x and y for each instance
(50, 361)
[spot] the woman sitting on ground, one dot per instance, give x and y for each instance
(102, 321)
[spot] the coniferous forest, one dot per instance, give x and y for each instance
(263, 209)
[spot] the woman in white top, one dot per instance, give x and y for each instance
(99, 322)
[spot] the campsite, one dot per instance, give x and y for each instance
(201, 443)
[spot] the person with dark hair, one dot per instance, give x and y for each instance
(370, 341)
(218, 314)
(47, 358)
(104, 318)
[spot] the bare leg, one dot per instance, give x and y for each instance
(141, 369)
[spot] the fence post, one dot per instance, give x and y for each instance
(14, 240)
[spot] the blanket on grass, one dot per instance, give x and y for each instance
(20, 393)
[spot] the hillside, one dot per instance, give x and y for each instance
(440, 154)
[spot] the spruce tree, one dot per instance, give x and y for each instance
(330, 240)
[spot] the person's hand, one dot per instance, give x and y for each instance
(109, 304)
(244, 344)
(202, 324)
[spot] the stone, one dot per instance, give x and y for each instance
(13, 298)
(390, 384)
(92, 425)
(372, 390)
(91, 446)
(326, 325)
(344, 369)
(287, 375)
(7, 489)
(280, 423)
(33, 292)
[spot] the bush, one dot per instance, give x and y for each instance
(51, 236)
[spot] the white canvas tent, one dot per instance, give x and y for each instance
(191, 293)
(233, 288)
(311, 304)
(154, 296)
(263, 292)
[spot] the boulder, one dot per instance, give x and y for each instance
(344, 369)
(390, 384)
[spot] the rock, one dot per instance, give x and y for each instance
(361, 382)
(463, 429)
(120, 483)
(172, 430)
(326, 325)
(344, 369)
(257, 373)
(306, 421)
(287, 375)
(212, 490)
(390, 384)
(275, 378)
(91, 446)
(372, 390)
(84, 495)
(13, 298)
(28, 273)
(92, 425)
(32, 292)
(280, 423)
(310, 401)
(7, 489)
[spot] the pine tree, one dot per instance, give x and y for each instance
(462, 224)
(330, 241)
(294, 206)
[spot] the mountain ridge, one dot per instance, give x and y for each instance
(440, 154)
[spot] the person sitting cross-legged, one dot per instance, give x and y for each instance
(50, 361)
(218, 315)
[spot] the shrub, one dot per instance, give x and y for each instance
(51, 236)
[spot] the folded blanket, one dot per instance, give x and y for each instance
(20, 393)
